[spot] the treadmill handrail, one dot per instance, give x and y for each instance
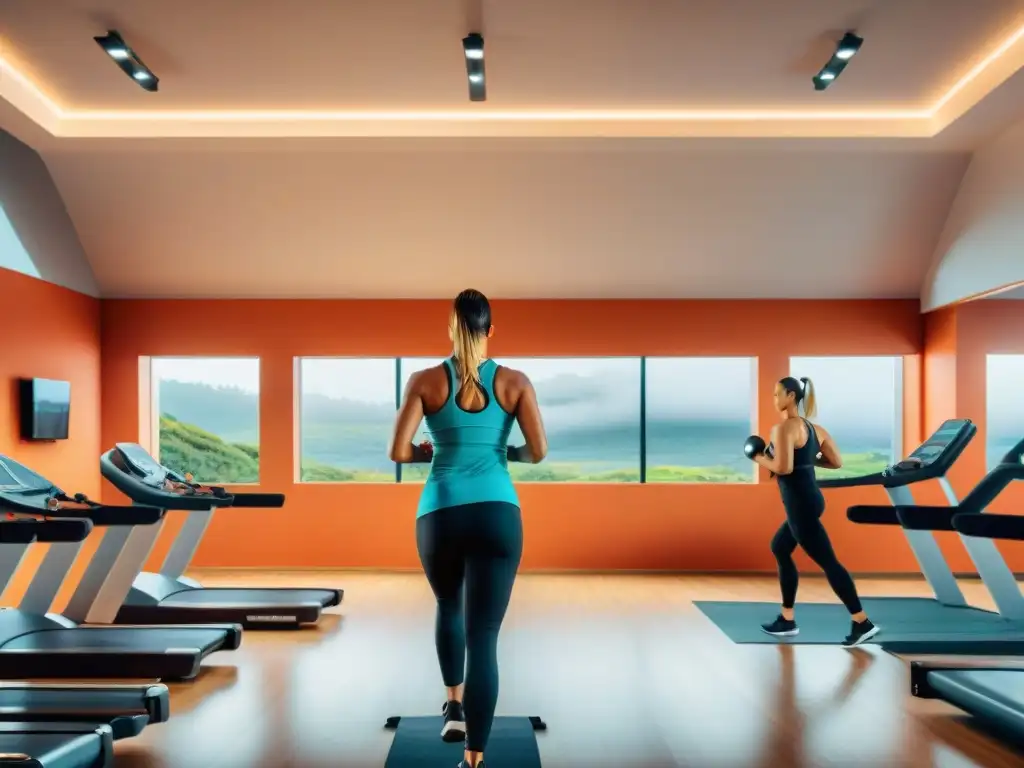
(51, 531)
(1015, 455)
(990, 486)
(37, 503)
(149, 495)
(258, 500)
(990, 525)
(909, 477)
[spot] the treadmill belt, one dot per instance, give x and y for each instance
(193, 598)
(117, 638)
(127, 710)
(56, 750)
(993, 695)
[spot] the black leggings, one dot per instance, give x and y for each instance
(803, 527)
(471, 554)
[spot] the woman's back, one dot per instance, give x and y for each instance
(470, 434)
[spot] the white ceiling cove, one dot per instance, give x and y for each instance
(651, 148)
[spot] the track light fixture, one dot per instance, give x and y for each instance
(117, 49)
(473, 47)
(845, 50)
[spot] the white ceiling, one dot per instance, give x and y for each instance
(517, 218)
(556, 215)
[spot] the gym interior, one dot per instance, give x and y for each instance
(231, 232)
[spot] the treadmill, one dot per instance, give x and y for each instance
(37, 644)
(169, 596)
(68, 725)
(930, 461)
(993, 692)
(911, 624)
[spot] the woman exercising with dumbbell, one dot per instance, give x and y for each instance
(797, 446)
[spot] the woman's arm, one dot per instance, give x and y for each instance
(408, 421)
(782, 462)
(528, 415)
(829, 456)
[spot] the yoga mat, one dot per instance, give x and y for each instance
(417, 744)
(901, 620)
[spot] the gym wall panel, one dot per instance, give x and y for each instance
(980, 244)
(52, 332)
(37, 236)
(610, 526)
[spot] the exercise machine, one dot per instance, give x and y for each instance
(169, 596)
(993, 692)
(913, 625)
(930, 461)
(69, 725)
(81, 643)
(980, 530)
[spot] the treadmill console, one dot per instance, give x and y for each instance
(949, 434)
(930, 460)
(144, 467)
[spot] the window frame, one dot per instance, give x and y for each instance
(153, 446)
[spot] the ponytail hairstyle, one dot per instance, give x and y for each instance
(470, 327)
(803, 392)
(808, 401)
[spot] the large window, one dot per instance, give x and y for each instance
(1004, 410)
(699, 412)
(860, 403)
(209, 416)
(346, 414)
(591, 410)
(416, 473)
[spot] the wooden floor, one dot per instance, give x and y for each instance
(623, 668)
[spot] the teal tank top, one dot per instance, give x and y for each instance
(470, 462)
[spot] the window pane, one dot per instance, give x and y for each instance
(858, 403)
(700, 410)
(591, 409)
(417, 473)
(1004, 413)
(346, 414)
(209, 409)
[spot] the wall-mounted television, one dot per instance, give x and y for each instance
(45, 409)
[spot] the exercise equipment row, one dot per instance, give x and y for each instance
(959, 636)
(74, 726)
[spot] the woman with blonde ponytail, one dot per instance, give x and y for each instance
(469, 511)
(797, 448)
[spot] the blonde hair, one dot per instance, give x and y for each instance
(469, 354)
(808, 402)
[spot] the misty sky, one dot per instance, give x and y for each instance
(848, 388)
(1005, 403)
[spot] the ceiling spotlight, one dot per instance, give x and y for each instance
(846, 49)
(125, 58)
(473, 46)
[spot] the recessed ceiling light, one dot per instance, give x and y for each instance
(846, 49)
(473, 48)
(129, 63)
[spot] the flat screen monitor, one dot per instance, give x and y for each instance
(45, 409)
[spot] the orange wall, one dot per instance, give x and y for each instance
(54, 333)
(700, 527)
(957, 341)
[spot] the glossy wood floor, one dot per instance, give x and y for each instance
(623, 668)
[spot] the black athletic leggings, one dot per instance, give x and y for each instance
(471, 554)
(803, 527)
